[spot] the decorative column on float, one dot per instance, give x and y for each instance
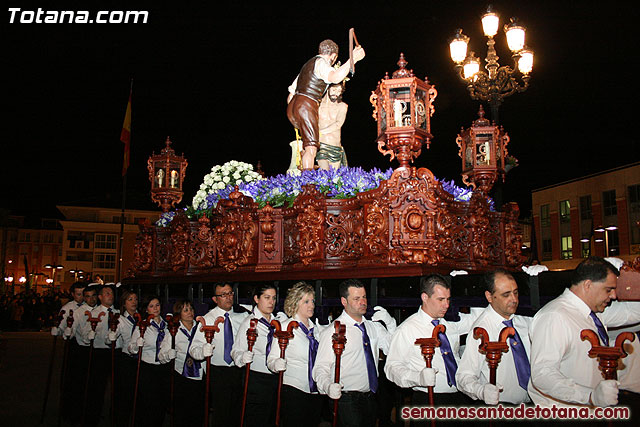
(166, 173)
(402, 108)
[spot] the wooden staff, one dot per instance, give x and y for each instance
(608, 357)
(173, 324)
(209, 332)
(65, 359)
(428, 349)
(142, 325)
(352, 38)
(94, 323)
(56, 321)
(283, 342)
(338, 340)
(493, 349)
(252, 336)
(113, 327)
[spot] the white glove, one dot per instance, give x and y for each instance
(428, 377)
(334, 391)
(280, 365)
(111, 337)
(605, 393)
(617, 262)
(247, 357)
(172, 353)
(381, 314)
(140, 342)
(67, 333)
(491, 394)
(534, 270)
(91, 335)
(281, 317)
(458, 273)
(207, 349)
(55, 331)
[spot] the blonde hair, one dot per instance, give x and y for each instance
(294, 296)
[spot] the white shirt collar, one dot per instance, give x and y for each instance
(577, 302)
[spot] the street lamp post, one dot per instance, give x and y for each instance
(497, 82)
(53, 268)
(605, 238)
(77, 273)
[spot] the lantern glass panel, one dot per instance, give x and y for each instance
(468, 153)
(483, 143)
(383, 116)
(401, 104)
(174, 176)
(421, 110)
(160, 177)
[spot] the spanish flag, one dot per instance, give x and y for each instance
(125, 136)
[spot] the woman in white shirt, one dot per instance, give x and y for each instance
(126, 366)
(153, 389)
(300, 402)
(261, 395)
(188, 391)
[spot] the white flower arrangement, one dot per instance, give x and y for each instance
(221, 176)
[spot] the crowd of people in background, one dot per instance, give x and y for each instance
(30, 311)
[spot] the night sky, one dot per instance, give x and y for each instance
(214, 78)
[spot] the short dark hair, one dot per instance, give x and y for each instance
(146, 301)
(261, 289)
(343, 289)
(89, 289)
(489, 279)
(327, 47)
(427, 283)
(220, 285)
(103, 287)
(77, 285)
(593, 268)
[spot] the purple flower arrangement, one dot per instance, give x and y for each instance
(282, 190)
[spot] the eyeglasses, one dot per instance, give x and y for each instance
(225, 295)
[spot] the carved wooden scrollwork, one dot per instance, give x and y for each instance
(202, 248)
(142, 250)
(180, 233)
(236, 231)
(343, 236)
(310, 222)
(267, 227)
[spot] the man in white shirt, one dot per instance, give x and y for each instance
(514, 370)
(405, 364)
(225, 378)
(307, 90)
(359, 361)
(101, 359)
(76, 301)
(562, 373)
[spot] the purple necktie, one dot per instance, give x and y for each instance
(228, 339)
(372, 372)
(601, 330)
(133, 323)
(160, 337)
(313, 349)
(269, 336)
(447, 355)
(523, 368)
(191, 368)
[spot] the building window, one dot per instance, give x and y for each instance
(104, 261)
(585, 207)
(586, 249)
(634, 212)
(106, 241)
(566, 247)
(546, 249)
(614, 242)
(565, 211)
(609, 203)
(545, 220)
